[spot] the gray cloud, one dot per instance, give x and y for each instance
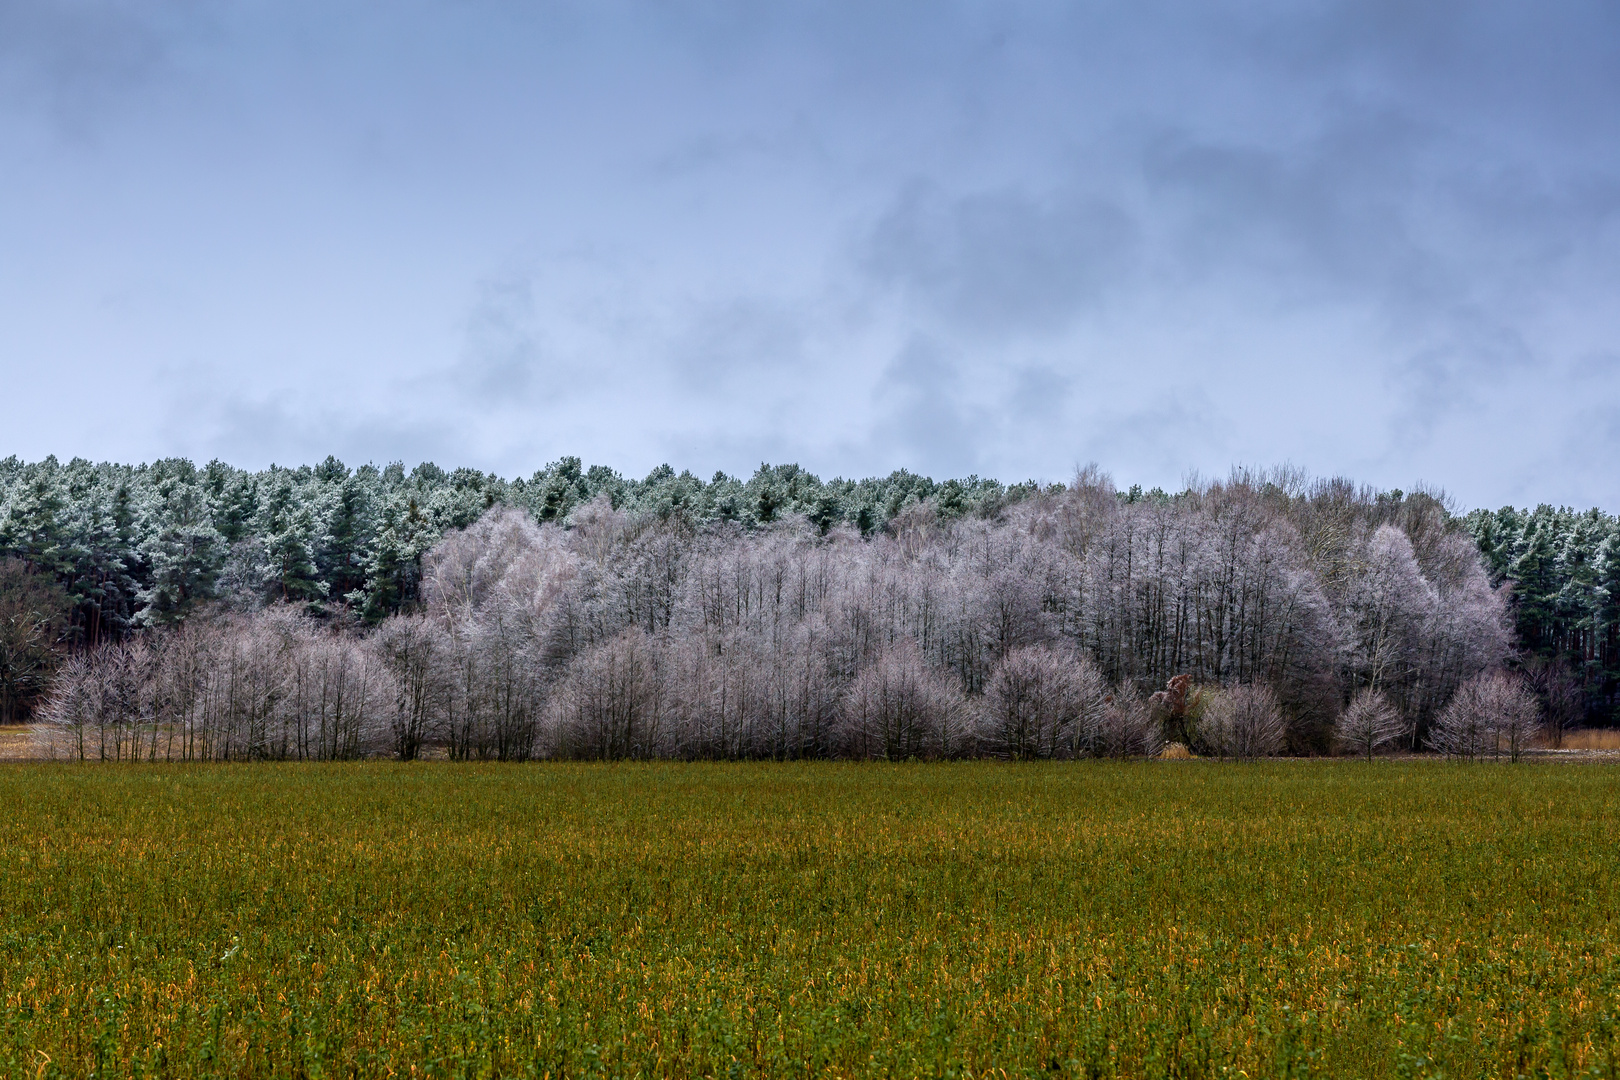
(294, 430)
(1039, 394)
(745, 338)
(1371, 237)
(1312, 221)
(1002, 261)
(1157, 434)
(502, 351)
(921, 413)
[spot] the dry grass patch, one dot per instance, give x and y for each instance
(1592, 739)
(17, 743)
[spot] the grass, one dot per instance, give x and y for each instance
(17, 742)
(1591, 739)
(1147, 919)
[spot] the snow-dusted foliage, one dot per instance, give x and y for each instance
(1492, 714)
(1563, 567)
(1028, 627)
(1243, 722)
(1369, 724)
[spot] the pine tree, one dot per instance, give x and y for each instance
(182, 552)
(288, 528)
(233, 497)
(1534, 586)
(393, 565)
(340, 552)
(32, 528)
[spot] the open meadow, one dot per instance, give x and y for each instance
(1089, 919)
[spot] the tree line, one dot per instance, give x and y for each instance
(326, 612)
(118, 549)
(1562, 568)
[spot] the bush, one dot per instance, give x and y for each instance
(1244, 722)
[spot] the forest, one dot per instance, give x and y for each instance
(174, 612)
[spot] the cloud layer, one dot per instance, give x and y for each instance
(1377, 239)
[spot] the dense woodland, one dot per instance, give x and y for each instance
(1562, 568)
(169, 611)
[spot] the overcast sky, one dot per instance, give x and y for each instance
(1378, 238)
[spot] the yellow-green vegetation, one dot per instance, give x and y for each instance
(1089, 919)
(16, 742)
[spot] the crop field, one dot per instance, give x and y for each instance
(1140, 919)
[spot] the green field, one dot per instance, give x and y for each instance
(1147, 919)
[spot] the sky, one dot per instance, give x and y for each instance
(1375, 239)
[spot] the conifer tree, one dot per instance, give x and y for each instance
(288, 528)
(184, 551)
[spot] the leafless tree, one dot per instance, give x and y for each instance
(897, 708)
(1244, 722)
(1518, 716)
(613, 703)
(1554, 683)
(415, 650)
(1490, 713)
(1368, 724)
(1042, 703)
(1128, 728)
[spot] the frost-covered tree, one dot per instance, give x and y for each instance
(1368, 724)
(1128, 727)
(1492, 713)
(613, 704)
(1041, 703)
(764, 603)
(288, 528)
(897, 708)
(1244, 722)
(182, 551)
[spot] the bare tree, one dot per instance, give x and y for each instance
(897, 708)
(1368, 724)
(614, 702)
(1518, 716)
(1244, 722)
(1388, 602)
(1041, 703)
(1553, 682)
(101, 703)
(415, 650)
(68, 715)
(1490, 712)
(1128, 728)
